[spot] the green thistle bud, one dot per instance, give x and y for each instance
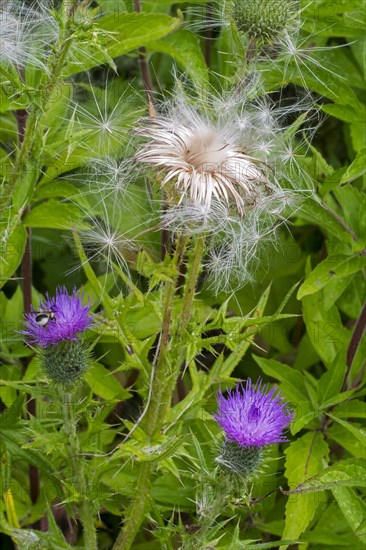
(238, 460)
(66, 362)
(265, 19)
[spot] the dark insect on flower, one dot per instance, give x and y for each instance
(59, 319)
(44, 317)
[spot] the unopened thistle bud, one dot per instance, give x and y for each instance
(56, 329)
(251, 418)
(265, 20)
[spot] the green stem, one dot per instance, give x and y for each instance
(86, 509)
(155, 413)
(137, 510)
(29, 150)
(193, 273)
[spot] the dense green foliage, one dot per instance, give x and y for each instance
(134, 442)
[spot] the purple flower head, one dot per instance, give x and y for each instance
(63, 316)
(252, 415)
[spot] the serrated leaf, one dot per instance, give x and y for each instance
(356, 169)
(346, 440)
(128, 31)
(313, 212)
(55, 189)
(347, 473)
(359, 433)
(324, 327)
(304, 457)
(330, 383)
(353, 204)
(351, 409)
(155, 453)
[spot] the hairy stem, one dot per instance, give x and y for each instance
(193, 272)
(156, 410)
(192, 275)
(252, 46)
(137, 510)
(86, 509)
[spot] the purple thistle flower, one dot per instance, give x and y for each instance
(252, 415)
(67, 317)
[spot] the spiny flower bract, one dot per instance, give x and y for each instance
(265, 19)
(69, 318)
(252, 415)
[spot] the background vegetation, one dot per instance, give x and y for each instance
(75, 211)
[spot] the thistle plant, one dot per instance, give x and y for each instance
(252, 418)
(56, 328)
(190, 184)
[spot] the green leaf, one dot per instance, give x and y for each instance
(293, 382)
(304, 457)
(356, 169)
(347, 440)
(104, 384)
(352, 507)
(55, 189)
(128, 31)
(347, 113)
(331, 382)
(315, 213)
(351, 409)
(185, 48)
(358, 433)
(352, 299)
(305, 413)
(347, 473)
(324, 327)
(12, 250)
(353, 204)
(333, 267)
(153, 453)
(54, 215)
(13, 438)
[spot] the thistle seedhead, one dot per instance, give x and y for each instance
(265, 20)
